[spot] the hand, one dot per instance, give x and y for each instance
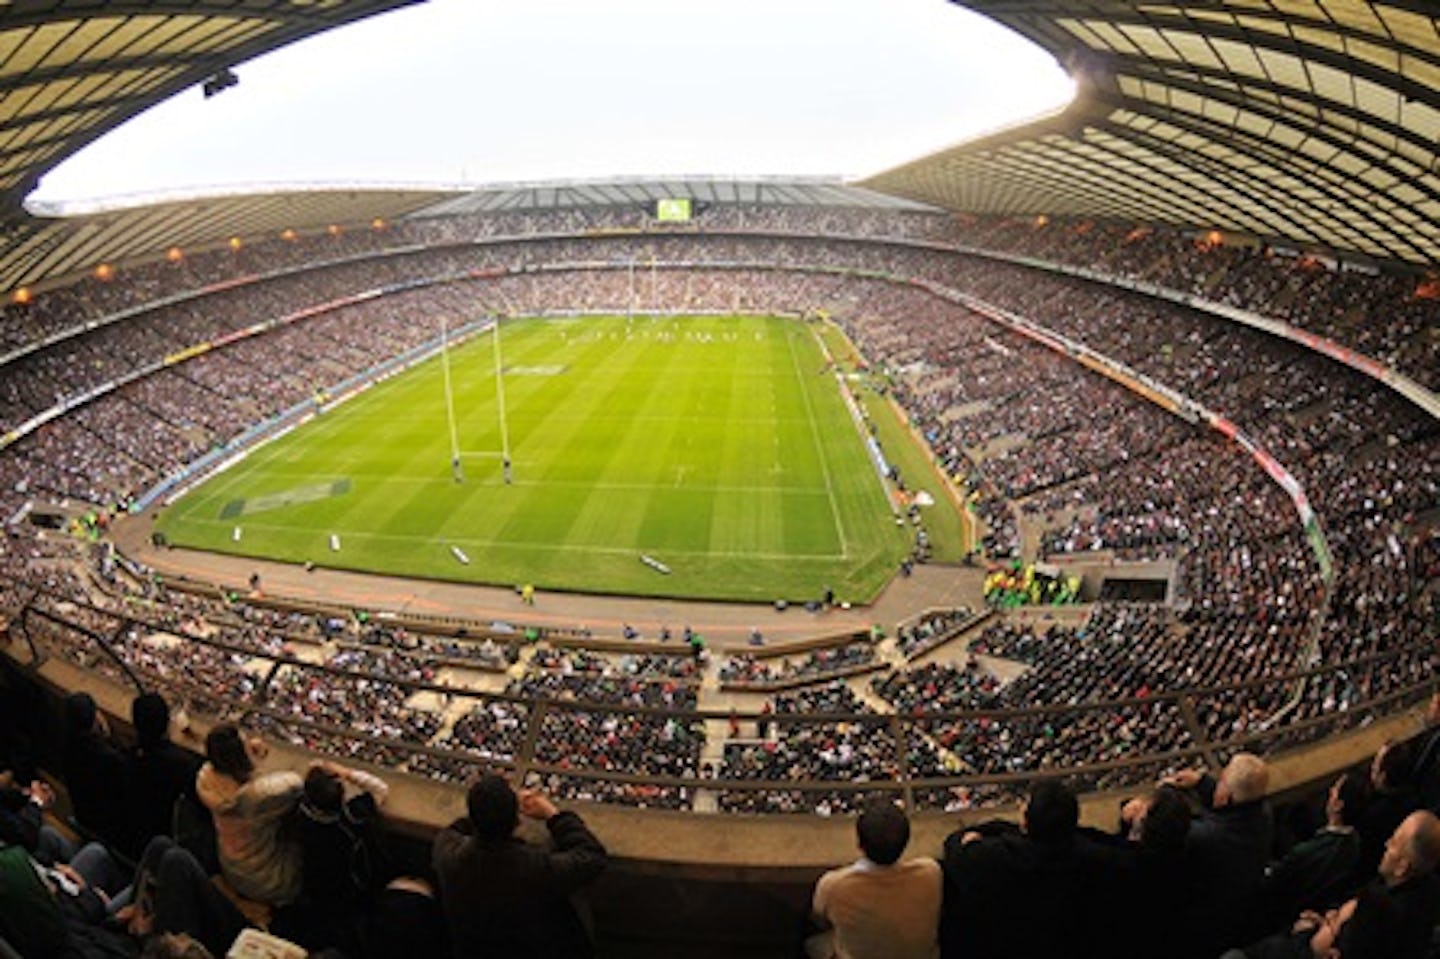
(42, 794)
(1308, 921)
(69, 873)
(1183, 779)
(331, 767)
(1134, 810)
(181, 722)
(535, 805)
(138, 922)
(970, 836)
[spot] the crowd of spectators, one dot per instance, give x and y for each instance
(616, 740)
(931, 630)
(847, 751)
(1037, 443)
(744, 669)
(306, 856)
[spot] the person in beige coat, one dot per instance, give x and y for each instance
(250, 809)
(879, 907)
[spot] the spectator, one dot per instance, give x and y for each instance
(170, 945)
(1364, 927)
(879, 907)
(1031, 892)
(406, 920)
(503, 896)
(1150, 869)
(1392, 798)
(1321, 872)
(94, 771)
(257, 860)
(54, 913)
(1226, 852)
(172, 894)
(160, 772)
(1427, 757)
(339, 852)
(22, 820)
(1408, 880)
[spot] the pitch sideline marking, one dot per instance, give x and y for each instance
(819, 449)
(512, 544)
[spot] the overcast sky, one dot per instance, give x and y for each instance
(485, 91)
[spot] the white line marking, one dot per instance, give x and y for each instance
(819, 449)
(667, 551)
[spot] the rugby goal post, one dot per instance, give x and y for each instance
(457, 454)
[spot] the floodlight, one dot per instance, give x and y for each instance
(223, 80)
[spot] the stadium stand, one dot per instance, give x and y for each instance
(1225, 376)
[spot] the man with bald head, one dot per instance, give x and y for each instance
(1408, 878)
(1226, 852)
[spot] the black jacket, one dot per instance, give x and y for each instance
(507, 898)
(158, 775)
(96, 779)
(1226, 852)
(1416, 911)
(1007, 895)
(1317, 874)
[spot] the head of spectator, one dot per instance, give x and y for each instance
(80, 715)
(1391, 767)
(1051, 813)
(493, 807)
(172, 945)
(227, 752)
(883, 831)
(1345, 803)
(1245, 779)
(1413, 850)
(1166, 821)
(324, 793)
(151, 717)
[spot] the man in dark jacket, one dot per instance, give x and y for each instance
(160, 772)
(1427, 757)
(94, 771)
(340, 853)
(1226, 853)
(1035, 891)
(1392, 798)
(506, 897)
(1321, 872)
(1410, 879)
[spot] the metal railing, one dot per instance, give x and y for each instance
(49, 629)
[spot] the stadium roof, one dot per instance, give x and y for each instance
(639, 191)
(1314, 122)
(68, 240)
(43, 248)
(71, 70)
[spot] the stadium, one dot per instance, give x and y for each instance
(716, 508)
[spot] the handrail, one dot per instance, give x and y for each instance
(901, 724)
(106, 644)
(579, 705)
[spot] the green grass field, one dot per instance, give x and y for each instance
(719, 446)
